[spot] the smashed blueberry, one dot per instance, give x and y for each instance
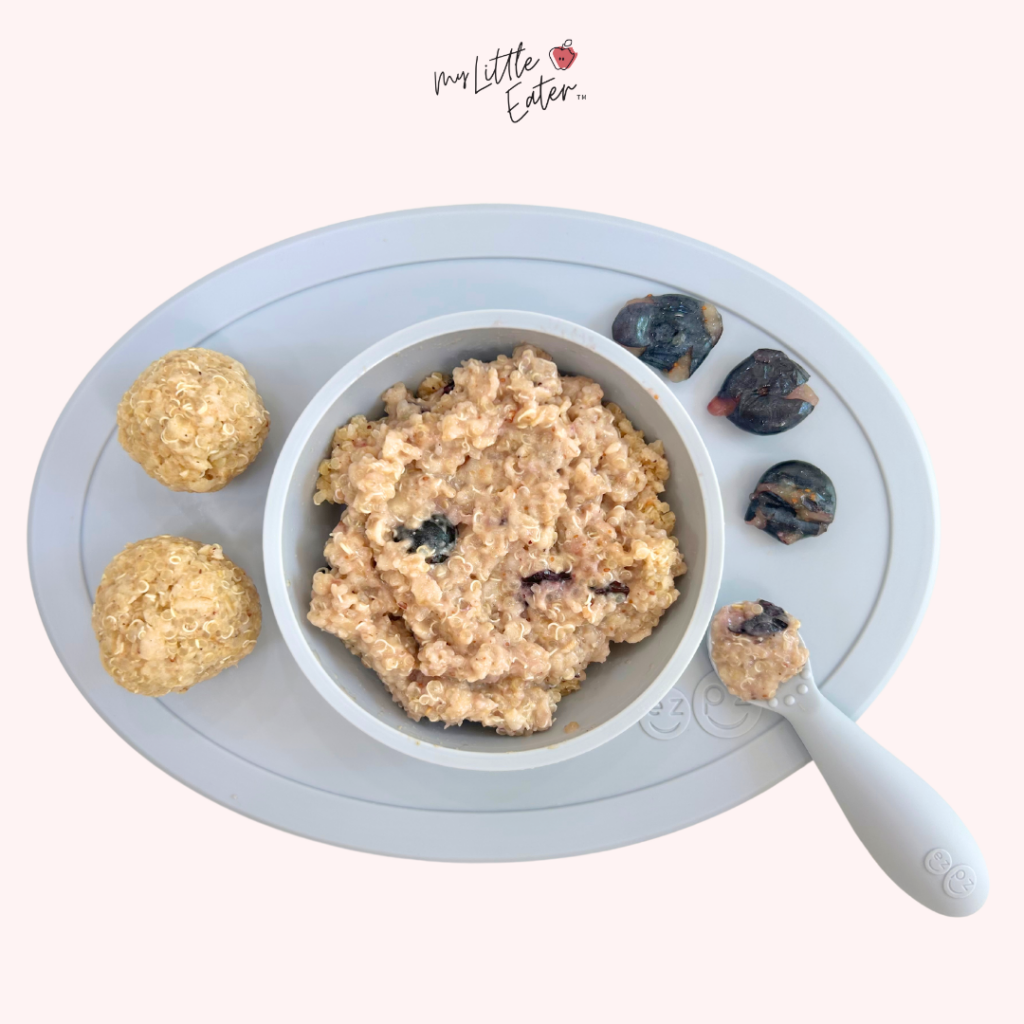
(615, 587)
(771, 620)
(673, 333)
(766, 394)
(547, 576)
(436, 533)
(792, 500)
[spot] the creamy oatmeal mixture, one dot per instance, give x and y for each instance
(171, 612)
(499, 529)
(193, 420)
(756, 647)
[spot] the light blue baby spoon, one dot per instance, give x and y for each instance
(914, 835)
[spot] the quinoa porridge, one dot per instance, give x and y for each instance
(499, 530)
(756, 647)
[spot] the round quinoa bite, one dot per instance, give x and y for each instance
(498, 530)
(193, 420)
(171, 612)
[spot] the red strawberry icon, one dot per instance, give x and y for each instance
(562, 56)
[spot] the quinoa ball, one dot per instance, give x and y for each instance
(193, 420)
(171, 612)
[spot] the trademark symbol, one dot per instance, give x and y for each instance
(582, 96)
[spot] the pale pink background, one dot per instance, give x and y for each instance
(868, 154)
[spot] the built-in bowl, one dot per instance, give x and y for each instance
(617, 693)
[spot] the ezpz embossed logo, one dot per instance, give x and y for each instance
(721, 714)
(960, 881)
(669, 717)
(938, 862)
(510, 71)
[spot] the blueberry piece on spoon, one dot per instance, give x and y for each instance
(767, 622)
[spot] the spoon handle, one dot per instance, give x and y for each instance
(914, 835)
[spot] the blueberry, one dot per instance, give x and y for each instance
(673, 333)
(436, 534)
(771, 620)
(615, 587)
(792, 500)
(766, 394)
(547, 576)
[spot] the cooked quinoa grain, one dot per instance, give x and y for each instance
(193, 420)
(170, 613)
(501, 528)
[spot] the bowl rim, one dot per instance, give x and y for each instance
(287, 464)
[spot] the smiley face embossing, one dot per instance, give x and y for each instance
(669, 718)
(719, 712)
(938, 862)
(960, 882)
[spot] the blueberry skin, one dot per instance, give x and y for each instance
(615, 587)
(436, 533)
(765, 394)
(792, 500)
(672, 333)
(771, 620)
(547, 576)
